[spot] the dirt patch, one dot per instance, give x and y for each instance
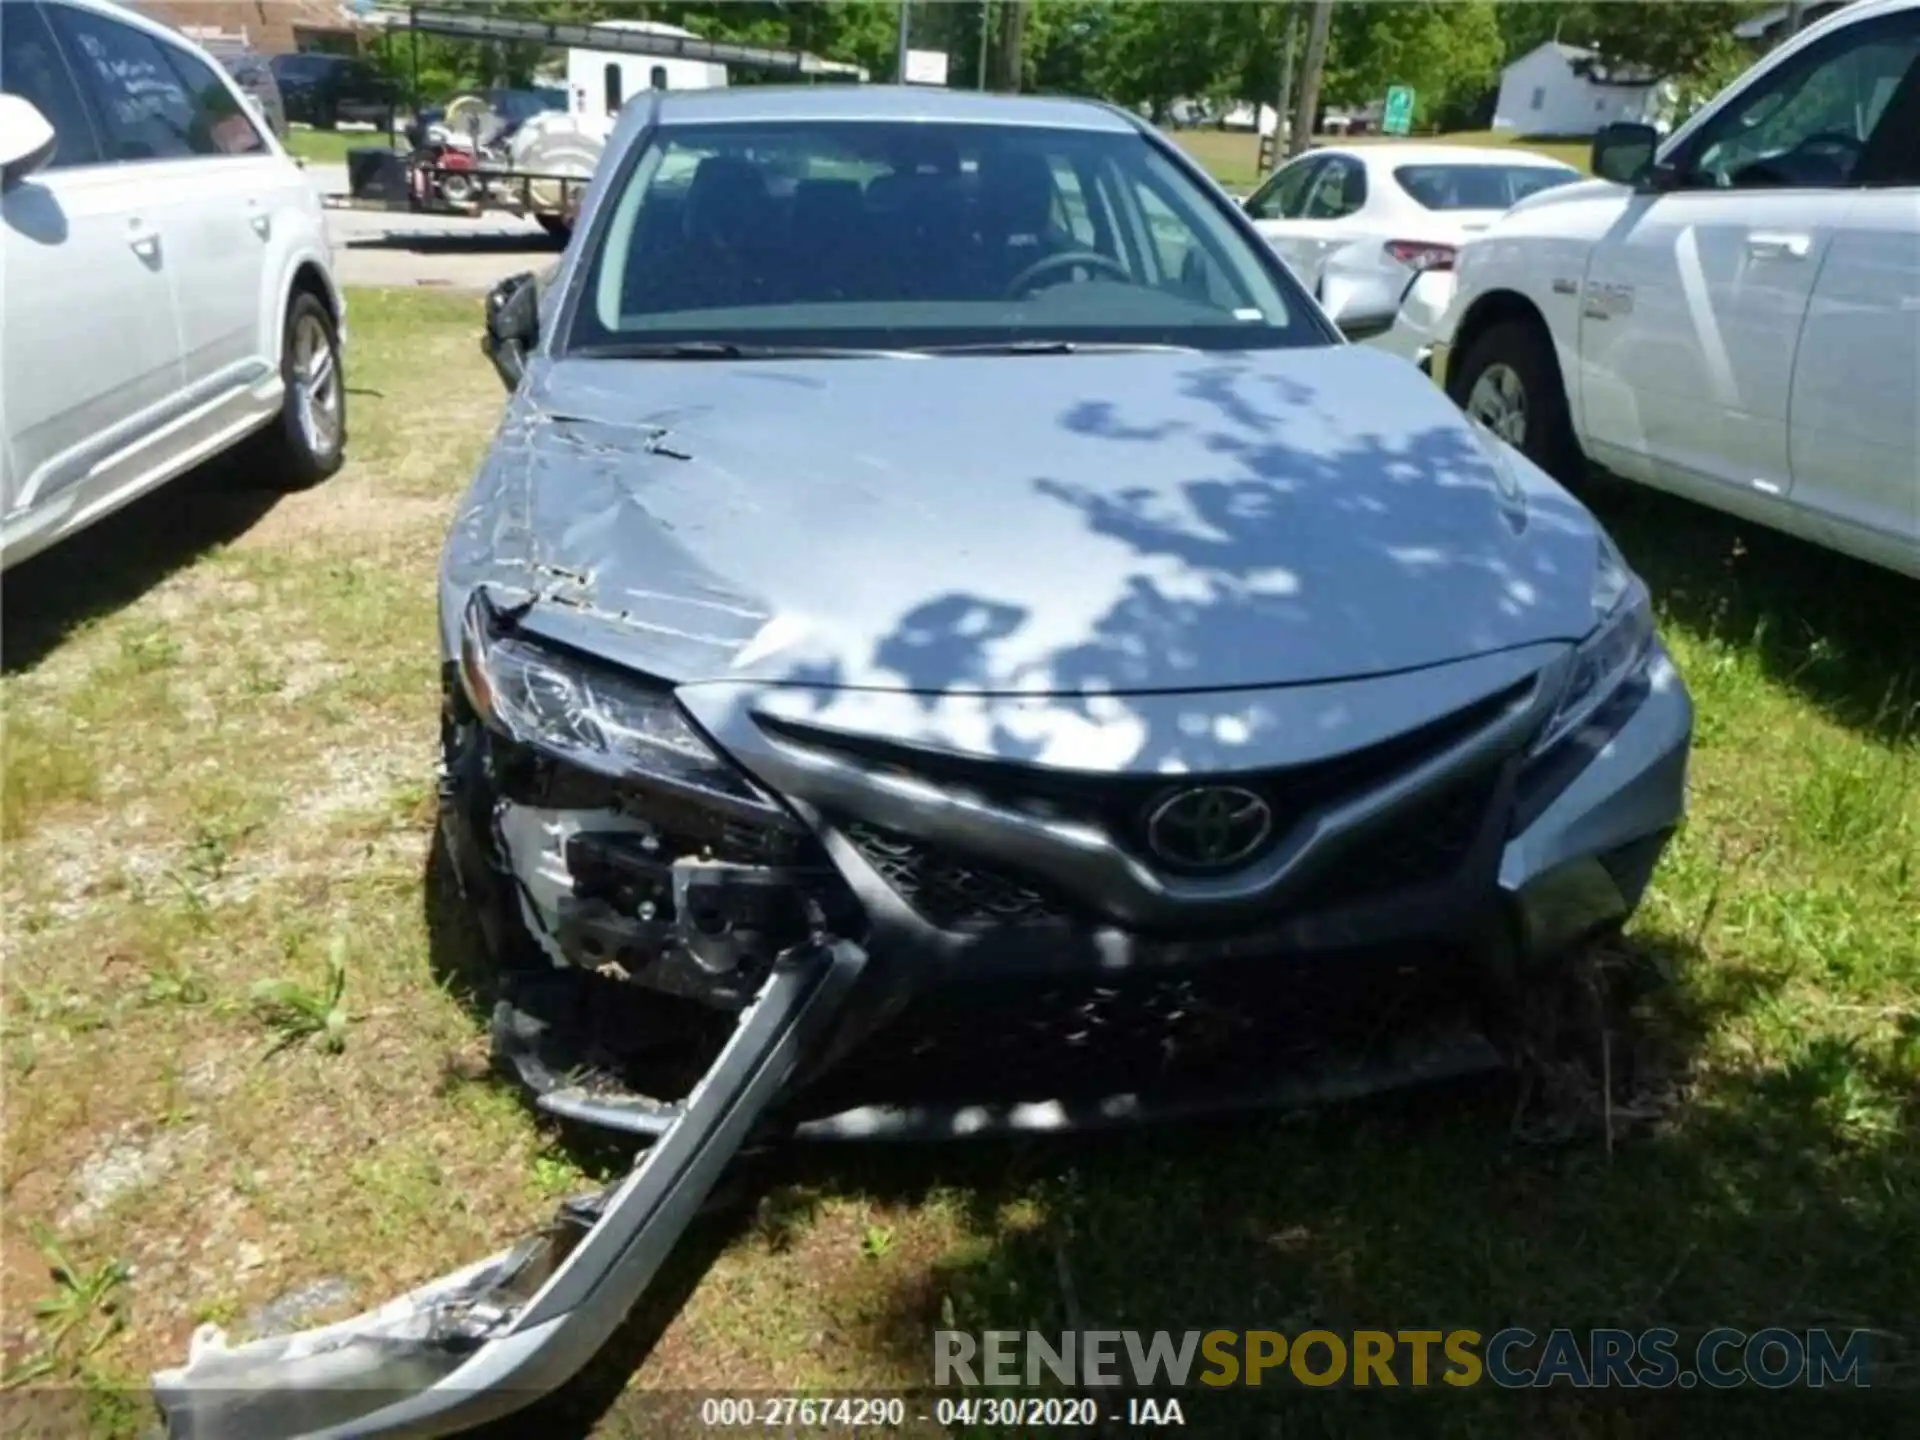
(346, 509)
(127, 1163)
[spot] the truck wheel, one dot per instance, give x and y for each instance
(558, 226)
(306, 441)
(1510, 382)
(326, 118)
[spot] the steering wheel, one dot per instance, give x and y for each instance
(1833, 140)
(1065, 260)
(1835, 146)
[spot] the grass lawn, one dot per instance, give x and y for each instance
(1234, 157)
(329, 147)
(221, 718)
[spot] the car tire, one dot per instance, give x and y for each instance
(325, 118)
(306, 441)
(1510, 380)
(558, 226)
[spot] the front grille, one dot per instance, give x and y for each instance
(1424, 844)
(1155, 1029)
(950, 890)
(1427, 842)
(1119, 804)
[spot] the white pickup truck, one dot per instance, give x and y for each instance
(1733, 315)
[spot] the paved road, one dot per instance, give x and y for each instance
(373, 247)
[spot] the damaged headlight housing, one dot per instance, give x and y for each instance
(590, 715)
(1616, 648)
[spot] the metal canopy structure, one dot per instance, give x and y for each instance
(564, 35)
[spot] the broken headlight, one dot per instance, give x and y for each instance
(599, 718)
(1615, 649)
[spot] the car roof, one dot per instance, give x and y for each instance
(841, 101)
(1396, 153)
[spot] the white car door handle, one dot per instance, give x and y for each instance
(261, 221)
(1779, 245)
(142, 241)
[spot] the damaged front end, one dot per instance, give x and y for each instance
(492, 1338)
(708, 896)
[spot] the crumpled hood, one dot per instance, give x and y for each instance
(1034, 525)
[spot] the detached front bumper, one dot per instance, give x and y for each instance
(490, 1339)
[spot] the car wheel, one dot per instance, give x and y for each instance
(1510, 382)
(307, 440)
(325, 119)
(558, 226)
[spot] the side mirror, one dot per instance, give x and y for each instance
(1362, 308)
(27, 140)
(513, 326)
(1623, 153)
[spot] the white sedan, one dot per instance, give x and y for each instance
(167, 292)
(1380, 216)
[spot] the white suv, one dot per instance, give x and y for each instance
(1733, 315)
(166, 277)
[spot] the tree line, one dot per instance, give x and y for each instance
(1150, 53)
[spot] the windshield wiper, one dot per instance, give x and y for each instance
(729, 350)
(1056, 347)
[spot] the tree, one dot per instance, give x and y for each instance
(1689, 42)
(1449, 51)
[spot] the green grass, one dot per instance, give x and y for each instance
(329, 147)
(221, 715)
(1233, 157)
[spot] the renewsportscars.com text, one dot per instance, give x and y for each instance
(1511, 1358)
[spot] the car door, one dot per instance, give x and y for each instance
(1329, 219)
(1277, 207)
(1853, 433)
(90, 352)
(183, 131)
(1693, 304)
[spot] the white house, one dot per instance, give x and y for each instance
(1566, 90)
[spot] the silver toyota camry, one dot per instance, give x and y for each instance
(949, 638)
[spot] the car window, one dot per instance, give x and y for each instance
(1285, 193)
(1339, 190)
(1893, 155)
(890, 234)
(1478, 187)
(221, 125)
(32, 67)
(1071, 212)
(143, 108)
(1806, 124)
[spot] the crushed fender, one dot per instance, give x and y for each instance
(494, 1337)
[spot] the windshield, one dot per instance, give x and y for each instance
(1479, 187)
(910, 235)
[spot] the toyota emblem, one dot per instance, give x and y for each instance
(1212, 827)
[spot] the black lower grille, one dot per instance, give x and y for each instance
(1165, 1029)
(950, 890)
(1425, 844)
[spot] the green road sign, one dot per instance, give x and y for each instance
(1398, 119)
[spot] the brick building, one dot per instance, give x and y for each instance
(273, 27)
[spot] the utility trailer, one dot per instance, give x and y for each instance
(545, 180)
